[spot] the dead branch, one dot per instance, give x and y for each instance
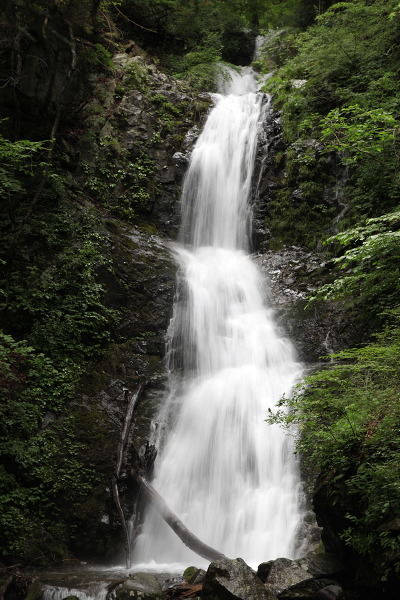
(123, 442)
(130, 20)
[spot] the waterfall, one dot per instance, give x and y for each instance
(230, 477)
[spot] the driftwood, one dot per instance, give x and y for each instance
(187, 537)
(183, 590)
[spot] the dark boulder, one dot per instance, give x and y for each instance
(330, 592)
(322, 565)
(282, 574)
(306, 590)
(233, 580)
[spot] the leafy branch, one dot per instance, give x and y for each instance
(355, 132)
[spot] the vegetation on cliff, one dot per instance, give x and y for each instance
(337, 87)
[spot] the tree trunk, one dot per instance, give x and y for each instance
(188, 538)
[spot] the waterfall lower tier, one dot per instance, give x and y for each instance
(231, 478)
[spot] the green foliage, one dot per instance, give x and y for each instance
(169, 115)
(39, 462)
(18, 163)
(202, 66)
(97, 57)
(368, 267)
(335, 84)
(64, 303)
(136, 76)
(345, 59)
(346, 419)
(356, 132)
(300, 212)
(53, 322)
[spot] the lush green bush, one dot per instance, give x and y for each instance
(368, 263)
(347, 57)
(202, 66)
(335, 85)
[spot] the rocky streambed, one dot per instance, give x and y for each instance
(316, 576)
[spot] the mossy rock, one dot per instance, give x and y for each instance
(190, 573)
(139, 585)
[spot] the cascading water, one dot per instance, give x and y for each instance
(230, 478)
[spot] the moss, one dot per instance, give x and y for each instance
(148, 228)
(189, 572)
(136, 76)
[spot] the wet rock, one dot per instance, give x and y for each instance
(139, 585)
(199, 577)
(233, 580)
(393, 525)
(191, 137)
(181, 160)
(322, 565)
(288, 273)
(291, 276)
(264, 570)
(305, 590)
(330, 592)
(283, 573)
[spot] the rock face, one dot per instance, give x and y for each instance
(292, 275)
(288, 248)
(330, 592)
(233, 580)
(134, 145)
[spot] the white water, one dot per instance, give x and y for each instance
(94, 592)
(229, 476)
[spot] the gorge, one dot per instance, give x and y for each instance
(104, 107)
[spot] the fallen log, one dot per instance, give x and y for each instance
(187, 537)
